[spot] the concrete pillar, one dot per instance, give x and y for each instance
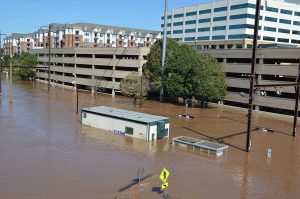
(93, 84)
(63, 73)
(113, 93)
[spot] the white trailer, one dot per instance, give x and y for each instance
(135, 124)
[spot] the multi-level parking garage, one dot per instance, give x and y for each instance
(102, 69)
(274, 66)
(99, 69)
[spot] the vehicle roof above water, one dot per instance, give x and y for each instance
(125, 114)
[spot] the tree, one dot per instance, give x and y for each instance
(24, 65)
(153, 66)
(134, 85)
(209, 80)
(187, 73)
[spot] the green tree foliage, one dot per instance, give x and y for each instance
(24, 65)
(133, 85)
(153, 65)
(187, 73)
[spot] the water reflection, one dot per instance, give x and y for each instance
(46, 153)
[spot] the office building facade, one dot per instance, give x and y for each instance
(230, 23)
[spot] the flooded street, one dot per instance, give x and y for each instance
(46, 153)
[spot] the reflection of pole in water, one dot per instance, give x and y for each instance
(10, 82)
(244, 188)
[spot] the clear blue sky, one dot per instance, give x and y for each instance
(27, 16)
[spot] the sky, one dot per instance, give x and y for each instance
(27, 16)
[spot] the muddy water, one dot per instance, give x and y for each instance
(46, 153)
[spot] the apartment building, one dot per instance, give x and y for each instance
(95, 69)
(80, 35)
(17, 43)
(229, 24)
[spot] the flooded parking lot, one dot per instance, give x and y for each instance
(46, 153)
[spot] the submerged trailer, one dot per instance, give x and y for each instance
(135, 124)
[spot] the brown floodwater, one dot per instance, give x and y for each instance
(46, 153)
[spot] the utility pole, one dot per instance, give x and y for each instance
(161, 97)
(77, 96)
(252, 76)
(49, 59)
(10, 80)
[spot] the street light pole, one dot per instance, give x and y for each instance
(161, 97)
(252, 76)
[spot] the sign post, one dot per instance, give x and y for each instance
(164, 175)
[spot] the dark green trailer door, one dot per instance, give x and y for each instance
(161, 131)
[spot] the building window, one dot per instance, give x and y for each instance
(191, 13)
(296, 23)
(221, 9)
(295, 41)
(271, 9)
(203, 38)
(271, 19)
(242, 16)
(178, 15)
(295, 32)
(241, 26)
(218, 37)
(190, 30)
(270, 29)
(204, 20)
(220, 18)
(204, 29)
(268, 38)
(84, 115)
(204, 11)
(287, 12)
(168, 32)
(129, 130)
(284, 30)
(219, 28)
(189, 39)
(221, 46)
(244, 5)
(178, 23)
(177, 31)
(285, 21)
(297, 13)
(87, 34)
(190, 22)
(169, 17)
(283, 40)
(240, 36)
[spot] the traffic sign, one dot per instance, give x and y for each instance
(164, 185)
(164, 175)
